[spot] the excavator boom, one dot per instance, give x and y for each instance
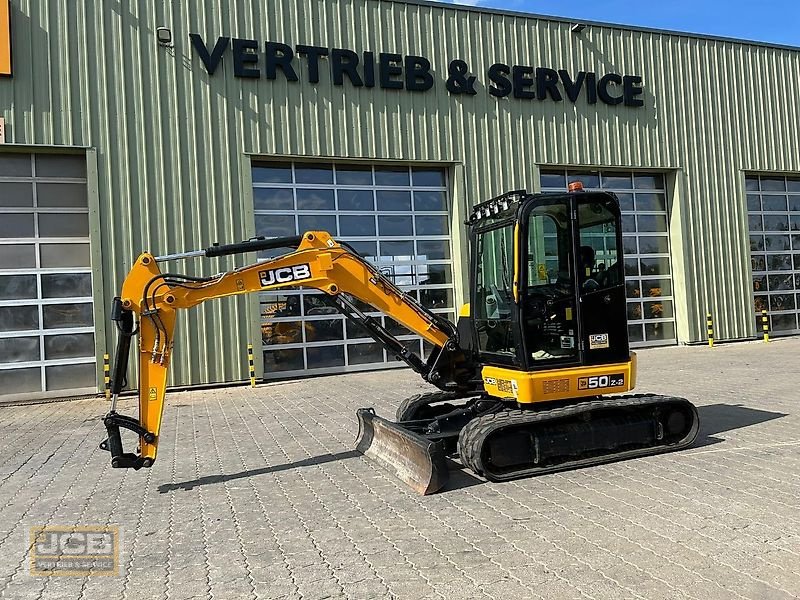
(317, 261)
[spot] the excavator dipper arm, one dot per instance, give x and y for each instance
(152, 298)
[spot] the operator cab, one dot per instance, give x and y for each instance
(547, 281)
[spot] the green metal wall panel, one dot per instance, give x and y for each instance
(170, 138)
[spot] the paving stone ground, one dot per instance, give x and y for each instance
(258, 494)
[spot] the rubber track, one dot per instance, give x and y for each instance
(410, 407)
(474, 434)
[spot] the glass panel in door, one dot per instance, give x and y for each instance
(550, 318)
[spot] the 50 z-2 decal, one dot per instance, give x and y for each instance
(601, 381)
(284, 275)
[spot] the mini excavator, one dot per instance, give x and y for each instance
(529, 378)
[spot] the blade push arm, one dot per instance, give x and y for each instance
(317, 262)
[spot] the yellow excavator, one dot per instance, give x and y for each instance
(528, 377)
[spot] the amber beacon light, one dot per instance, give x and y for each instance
(575, 186)
(5, 38)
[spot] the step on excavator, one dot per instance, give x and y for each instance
(529, 378)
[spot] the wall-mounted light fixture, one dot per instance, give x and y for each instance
(577, 27)
(164, 36)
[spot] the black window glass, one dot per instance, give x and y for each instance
(272, 173)
(433, 249)
(589, 180)
(774, 203)
(346, 175)
(651, 202)
(366, 249)
(66, 285)
(67, 315)
(275, 225)
(754, 223)
(434, 274)
(19, 318)
(399, 225)
(359, 354)
(313, 173)
(16, 225)
(619, 182)
(655, 266)
(432, 225)
(652, 222)
(15, 194)
(289, 359)
(15, 165)
(361, 200)
(775, 243)
(401, 250)
(773, 184)
(391, 176)
(648, 182)
(317, 223)
(315, 199)
(273, 198)
(17, 287)
(553, 180)
(654, 244)
(357, 225)
(430, 201)
(625, 202)
(61, 165)
(427, 177)
(324, 330)
(19, 349)
(325, 356)
(389, 200)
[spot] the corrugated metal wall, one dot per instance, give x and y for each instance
(170, 138)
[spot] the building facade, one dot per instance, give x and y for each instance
(169, 126)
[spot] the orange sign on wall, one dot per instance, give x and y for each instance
(5, 37)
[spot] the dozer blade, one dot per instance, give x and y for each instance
(414, 459)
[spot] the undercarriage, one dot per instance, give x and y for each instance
(502, 440)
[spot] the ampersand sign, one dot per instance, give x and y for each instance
(460, 81)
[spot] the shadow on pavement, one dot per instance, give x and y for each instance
(714, 419)
(306, 462)
(460, 478)
(719, 418)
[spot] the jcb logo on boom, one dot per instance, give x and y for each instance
(601, 381)
(284, 275)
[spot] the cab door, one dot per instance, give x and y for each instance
(604, 327)
(548, 299)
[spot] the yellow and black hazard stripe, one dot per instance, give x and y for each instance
(710, 327)
(765, 325)
(251, 365)
(107, 376)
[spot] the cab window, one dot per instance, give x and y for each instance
(494, 293)
(599, 265)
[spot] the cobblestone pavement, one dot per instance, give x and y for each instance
(258, 494)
